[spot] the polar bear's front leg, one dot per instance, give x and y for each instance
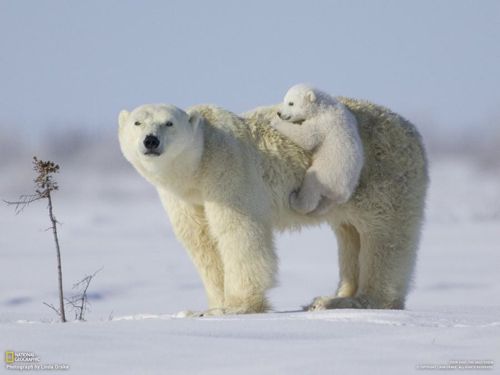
(245, 245)
(191, 228)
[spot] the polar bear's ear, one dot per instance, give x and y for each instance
(311, 96)
(123, 117)
(194, 119)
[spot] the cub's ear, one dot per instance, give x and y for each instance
(194, 119)
(123, 117)
(311, 96)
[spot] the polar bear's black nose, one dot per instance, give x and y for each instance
(151, 142)
(279, 114)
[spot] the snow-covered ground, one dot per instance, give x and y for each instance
(111, 218)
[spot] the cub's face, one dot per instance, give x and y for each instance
(298, 105)
(155, 134)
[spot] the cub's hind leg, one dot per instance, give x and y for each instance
(307, 198)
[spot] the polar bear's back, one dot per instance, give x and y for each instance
(255, 130)
(394, 178)
(281, 163)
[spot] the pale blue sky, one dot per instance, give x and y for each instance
(77, 63)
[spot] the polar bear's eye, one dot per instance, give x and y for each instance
(290, 104)
(168, 123)
(137, 123)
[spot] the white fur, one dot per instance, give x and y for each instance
(181, 146)
(225, 181)
(320, 123)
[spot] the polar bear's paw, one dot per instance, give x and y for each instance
(200, 314)
(318, 303)
(185, 314)
(331, 302)
(217, 311)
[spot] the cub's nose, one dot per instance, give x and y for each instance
(151, 142)
(279, 114)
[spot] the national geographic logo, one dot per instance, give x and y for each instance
(10, 357)
(26, 357)
(29, 361)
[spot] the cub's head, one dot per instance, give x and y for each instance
(299, 104)
(152, 135)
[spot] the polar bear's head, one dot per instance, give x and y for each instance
(154, 135)
(300, 103)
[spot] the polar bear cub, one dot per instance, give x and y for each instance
(319, 123)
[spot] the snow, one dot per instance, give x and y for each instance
(111, 218)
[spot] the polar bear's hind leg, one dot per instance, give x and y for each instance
(348, 247)
(385, 270)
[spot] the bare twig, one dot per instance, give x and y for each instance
(23, 202)
(52, 307)
(79, 302)
(75, 306)
(58, 251)
(45, 185)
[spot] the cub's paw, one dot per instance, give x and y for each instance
(301, 204)
(324, 206)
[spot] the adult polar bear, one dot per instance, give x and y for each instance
(225, 180)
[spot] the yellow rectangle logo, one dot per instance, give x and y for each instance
(10, 357)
